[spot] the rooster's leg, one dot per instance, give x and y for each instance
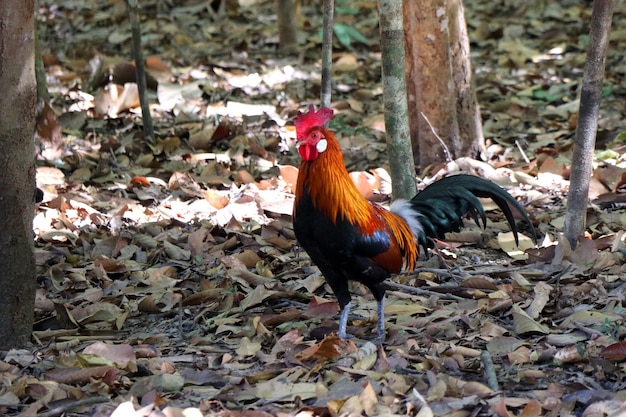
(343, 322)
(381, 318)
(380, 332)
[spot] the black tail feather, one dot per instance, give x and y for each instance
(444, 203)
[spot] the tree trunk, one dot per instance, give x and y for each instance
(287, 26)
(439, 82)
(402, 168)
(328, 10)
(17, 182)
(588, 113)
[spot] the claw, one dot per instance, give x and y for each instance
(346, 336)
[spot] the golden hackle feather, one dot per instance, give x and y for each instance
(331, 187)
(333, 192)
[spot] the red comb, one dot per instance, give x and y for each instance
(305, 121)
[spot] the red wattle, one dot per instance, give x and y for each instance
(307, 152)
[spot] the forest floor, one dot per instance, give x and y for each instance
(169, 277)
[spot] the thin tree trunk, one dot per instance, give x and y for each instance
(17, 182)
(401, 166)
(585, 138)
(439, 82)
(140, 70)
(328, 11)
(287, 26)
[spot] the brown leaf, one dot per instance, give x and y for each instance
(249, 278)
(168, 145)
(256, 297)
(331, 348)
(48, 132)
(499, 408)
(543, 255)
(215, 199)
(611, 176)
(114, 99)
(290, 176)
(249, 258)
(158, 69)
(542, 297)
(616, 351)
(321, 309)
(125, 72)
(272, 320)
(503, 345)
(203, 139)
(569, 354)
(140, 182)
(205, 297)
(83, 375)
(159, 303)
(346, 63)
(479, 283)
(532, 409)
(123, 355)
(199, 241)
(365, 183)
(524, 324)
(64, 317)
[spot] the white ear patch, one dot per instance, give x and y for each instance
(321, 145)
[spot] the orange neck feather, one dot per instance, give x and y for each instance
(334, 194)
(330, 186)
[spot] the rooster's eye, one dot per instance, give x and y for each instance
(315, 135)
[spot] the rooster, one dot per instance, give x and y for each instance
(352, 239)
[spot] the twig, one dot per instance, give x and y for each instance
(557, 278)
(180, 319)
(442, 272)
(592, 333)
(502, 270)
(521, 151)
(436, 250)
(446, 151)
(421, 291)
(486, 271)
(490, 371)
(287, 272)
(62, 409)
